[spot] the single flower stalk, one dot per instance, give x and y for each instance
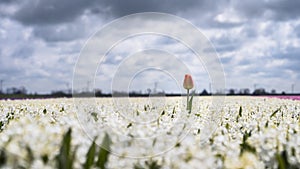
(188, 84)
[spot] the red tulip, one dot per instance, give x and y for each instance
(188, 82)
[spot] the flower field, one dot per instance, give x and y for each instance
(246, 132)
(287, 97)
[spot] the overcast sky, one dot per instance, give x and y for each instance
(258, 41)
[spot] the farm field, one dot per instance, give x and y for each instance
(231, 132)
(287, 97)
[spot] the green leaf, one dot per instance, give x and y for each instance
(245, 146)
(138, 166)
(173, 112)
(267, 124)
(104, 152)
(95, 116)
(152, 165)
(129, 125)
(240, 111)
(198, 114)
(240, 114)
(90, 156)
(3, 157)
(30, 156)
(65, 157)
(1, 125)
(177, 144)
(282, 160)
(191, 101)
(276, 111)
(227, 126)
(45, 158)
(154, 142)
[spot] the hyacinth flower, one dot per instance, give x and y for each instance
(188, 84)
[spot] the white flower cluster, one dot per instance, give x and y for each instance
(246, 132)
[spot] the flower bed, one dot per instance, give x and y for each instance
(287, 97)
(252, 132)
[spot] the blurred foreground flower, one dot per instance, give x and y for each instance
(188, 84)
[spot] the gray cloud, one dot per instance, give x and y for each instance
(54, 12)
(297, 30)
(292, 55)
(121, 8)
(50, 12)
(6, 1)
(274, 10)
(62, 32)
(256, 40)
(24, 52)
(284, 10)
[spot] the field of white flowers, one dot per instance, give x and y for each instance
(247, 132)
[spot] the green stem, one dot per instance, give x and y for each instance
(187, 101)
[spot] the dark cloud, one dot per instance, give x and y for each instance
(62, 32)
(249, 8)
(61, 11)
(121, 8)
(273, 10)
(51, 12)
(284, 9)
(60, 20)
(7, 1)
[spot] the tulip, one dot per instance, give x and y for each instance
(188, 84)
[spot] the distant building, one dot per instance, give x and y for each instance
(204, 93)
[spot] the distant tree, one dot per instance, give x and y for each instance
(98, 92)
(259, 91)
(58, 93)
(273, 91)
(14, 90)
(22, 90)
(245, 91)
(231, 92)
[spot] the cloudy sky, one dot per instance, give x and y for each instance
(257, 41)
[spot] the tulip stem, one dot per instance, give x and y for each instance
(187, 101)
